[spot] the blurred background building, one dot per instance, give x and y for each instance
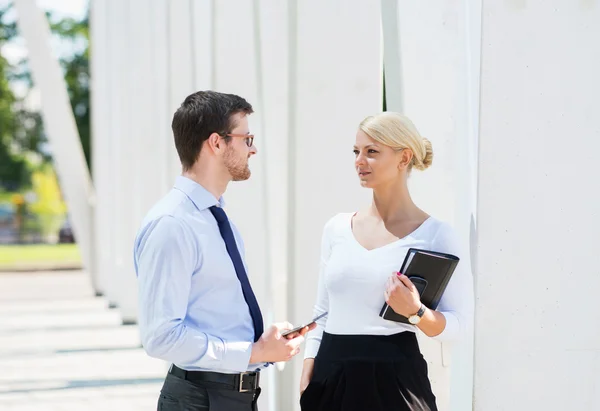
(506, 91)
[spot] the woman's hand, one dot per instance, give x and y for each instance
(402, 295)
(307, 372)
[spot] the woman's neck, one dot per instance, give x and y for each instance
(394, 203)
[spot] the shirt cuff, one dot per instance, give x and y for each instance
(452, 330)
(237, 356)
(258, 367)
(312, 347)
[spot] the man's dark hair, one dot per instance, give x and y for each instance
(200, 115)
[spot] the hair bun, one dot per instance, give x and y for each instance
(426, 159)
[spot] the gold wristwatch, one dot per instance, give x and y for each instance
(416, 318)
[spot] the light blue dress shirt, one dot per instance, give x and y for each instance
(192, 311)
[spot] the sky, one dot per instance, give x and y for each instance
(16, 50)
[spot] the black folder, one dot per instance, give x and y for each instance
(430, 271)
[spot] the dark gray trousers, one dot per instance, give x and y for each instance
(178, 394)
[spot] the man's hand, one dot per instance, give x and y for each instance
(302, 332)
(273, 347)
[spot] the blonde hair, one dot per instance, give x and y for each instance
(398, 132)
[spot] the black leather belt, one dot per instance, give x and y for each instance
(243, 382)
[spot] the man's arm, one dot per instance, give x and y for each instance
(166, 256)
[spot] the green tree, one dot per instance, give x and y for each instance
(27, 132)
(13, 168)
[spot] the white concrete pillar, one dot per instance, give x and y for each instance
(111, 169)
(100, 57)
(125, 161)
(161, 110)
(537, 337)
(202, 44)
(335, 81)
(271, 39)
(140, 166)
(235, 61)
(181, 65)
(60, 126)
(151, 127)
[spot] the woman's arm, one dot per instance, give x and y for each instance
(307, 372)
(313, 340)
(454, 314)
(403, 297)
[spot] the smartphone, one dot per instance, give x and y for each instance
(419, 282)
(295, 330)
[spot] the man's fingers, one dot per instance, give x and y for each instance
(304, 330)
(291, 336)
(295, 342)
(283, 326)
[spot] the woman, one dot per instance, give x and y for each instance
(355, 360)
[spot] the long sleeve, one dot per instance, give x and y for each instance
(457, 302)
(167, 255)
(313, 341)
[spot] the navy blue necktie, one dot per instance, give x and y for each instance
(234, 254)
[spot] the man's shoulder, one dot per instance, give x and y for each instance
(172, 209)
(174, 204)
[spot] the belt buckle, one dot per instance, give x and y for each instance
(253, 387)
(241, 388)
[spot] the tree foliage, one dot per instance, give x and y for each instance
(21, 129)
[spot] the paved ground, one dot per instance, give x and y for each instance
(62, 349)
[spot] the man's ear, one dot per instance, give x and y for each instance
(215, 143)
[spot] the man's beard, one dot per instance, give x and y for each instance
(237, 168)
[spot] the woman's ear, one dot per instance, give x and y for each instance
(405, 159)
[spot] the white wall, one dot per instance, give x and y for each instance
(537, 335)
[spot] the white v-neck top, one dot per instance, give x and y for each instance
(352, 281)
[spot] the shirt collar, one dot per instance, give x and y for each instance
(199, 195)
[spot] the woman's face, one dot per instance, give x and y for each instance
(378, 164)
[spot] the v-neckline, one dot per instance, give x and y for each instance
(355, 240)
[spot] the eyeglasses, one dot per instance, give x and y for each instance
(248, 137)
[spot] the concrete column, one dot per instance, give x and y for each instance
(235, 64)
(202, 44)
(100, 55)
(161, 113)
(109, 195)
(271, 39)
(335, 81)
(181, 65)
(141, 166)
(60, 126)
(537, 342)
(125, 159)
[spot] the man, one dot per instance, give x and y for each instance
(197, 309)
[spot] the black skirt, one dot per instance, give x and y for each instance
(369, 373)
